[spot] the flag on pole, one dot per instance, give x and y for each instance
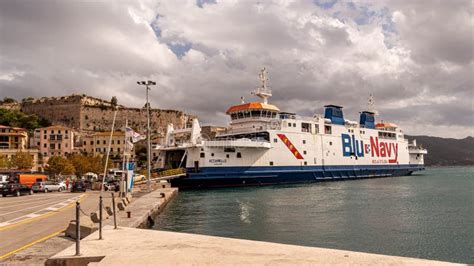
(133, 136)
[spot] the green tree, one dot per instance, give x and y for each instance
(114, 101)
(80, 163)
(22, 160)
(8, 100)
(84, 164)
(58, 165)
(4, 162)
(98, 163)
(15, 118)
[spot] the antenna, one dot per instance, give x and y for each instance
(371, 104)
(263, 92)
(242, 99)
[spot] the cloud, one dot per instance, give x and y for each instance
(415, 57)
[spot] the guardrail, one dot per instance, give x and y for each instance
(170, 172)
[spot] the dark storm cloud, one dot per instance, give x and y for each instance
(415, 56)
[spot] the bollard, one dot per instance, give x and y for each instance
(78, 229)
(115, 217)
(100, 217)
(129, 214)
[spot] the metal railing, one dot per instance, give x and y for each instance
(170, 172)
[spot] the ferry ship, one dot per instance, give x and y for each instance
(264, 145)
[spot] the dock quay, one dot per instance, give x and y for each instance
(131, 246)
(143, 206)
(132, 243)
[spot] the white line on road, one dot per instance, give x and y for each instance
(39, 212)
(32, 200)
(44, 204)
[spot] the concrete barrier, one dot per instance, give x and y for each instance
(109, 210)
(87, 227)
(95, 217)
(121, 206)
(124, 201)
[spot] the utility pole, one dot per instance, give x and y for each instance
(148, 131)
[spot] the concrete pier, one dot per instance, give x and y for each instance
(130, 246)
(148, 205)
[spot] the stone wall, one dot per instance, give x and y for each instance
(85, 113)
(63, 111)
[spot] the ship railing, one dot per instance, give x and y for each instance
(238, 143)
(165, 175)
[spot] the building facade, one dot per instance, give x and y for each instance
(54, 141)
(13, 137)
(14, 140)
(97, 143)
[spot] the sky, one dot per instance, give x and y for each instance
(414, 57)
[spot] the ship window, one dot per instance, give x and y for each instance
(240, 115)
(316, 128)
(304, 152)
(233, 116)
(227, 155)
(305, 163)
(275, 140)
(274, 114)
(330, 143)
(305, 127)
(247, 114)
(304, 141)
(327, 129)
(271, 163)
(239, 155)
(212, 154)
(294, 124)
(256, 113)
(202, 155)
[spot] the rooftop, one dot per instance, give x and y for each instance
(252, 106)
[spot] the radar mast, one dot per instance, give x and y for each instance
(371, 104)
(263, 92)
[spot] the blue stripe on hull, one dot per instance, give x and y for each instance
(251, 176)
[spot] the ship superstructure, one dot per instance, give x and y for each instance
(264, 145)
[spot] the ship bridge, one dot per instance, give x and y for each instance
(253, 110)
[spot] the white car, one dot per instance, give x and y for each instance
(46, 187)
(62, 185)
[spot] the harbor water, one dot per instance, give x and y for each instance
(427, 215)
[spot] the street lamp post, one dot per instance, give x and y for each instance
(147, 84)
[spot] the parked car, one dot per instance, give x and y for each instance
(78, 186)
(46, 186)
(3, 180)
(112, 186)
(16, 189)
(62, 185)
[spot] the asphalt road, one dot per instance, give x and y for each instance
(30, 219)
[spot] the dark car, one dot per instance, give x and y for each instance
(112, 186)
(78, 186)
(16, 189)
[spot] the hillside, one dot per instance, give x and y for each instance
(446, 151)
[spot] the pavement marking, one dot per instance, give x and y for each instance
(44, 204)
(35, 216)
(13, 201)
(30, 244)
